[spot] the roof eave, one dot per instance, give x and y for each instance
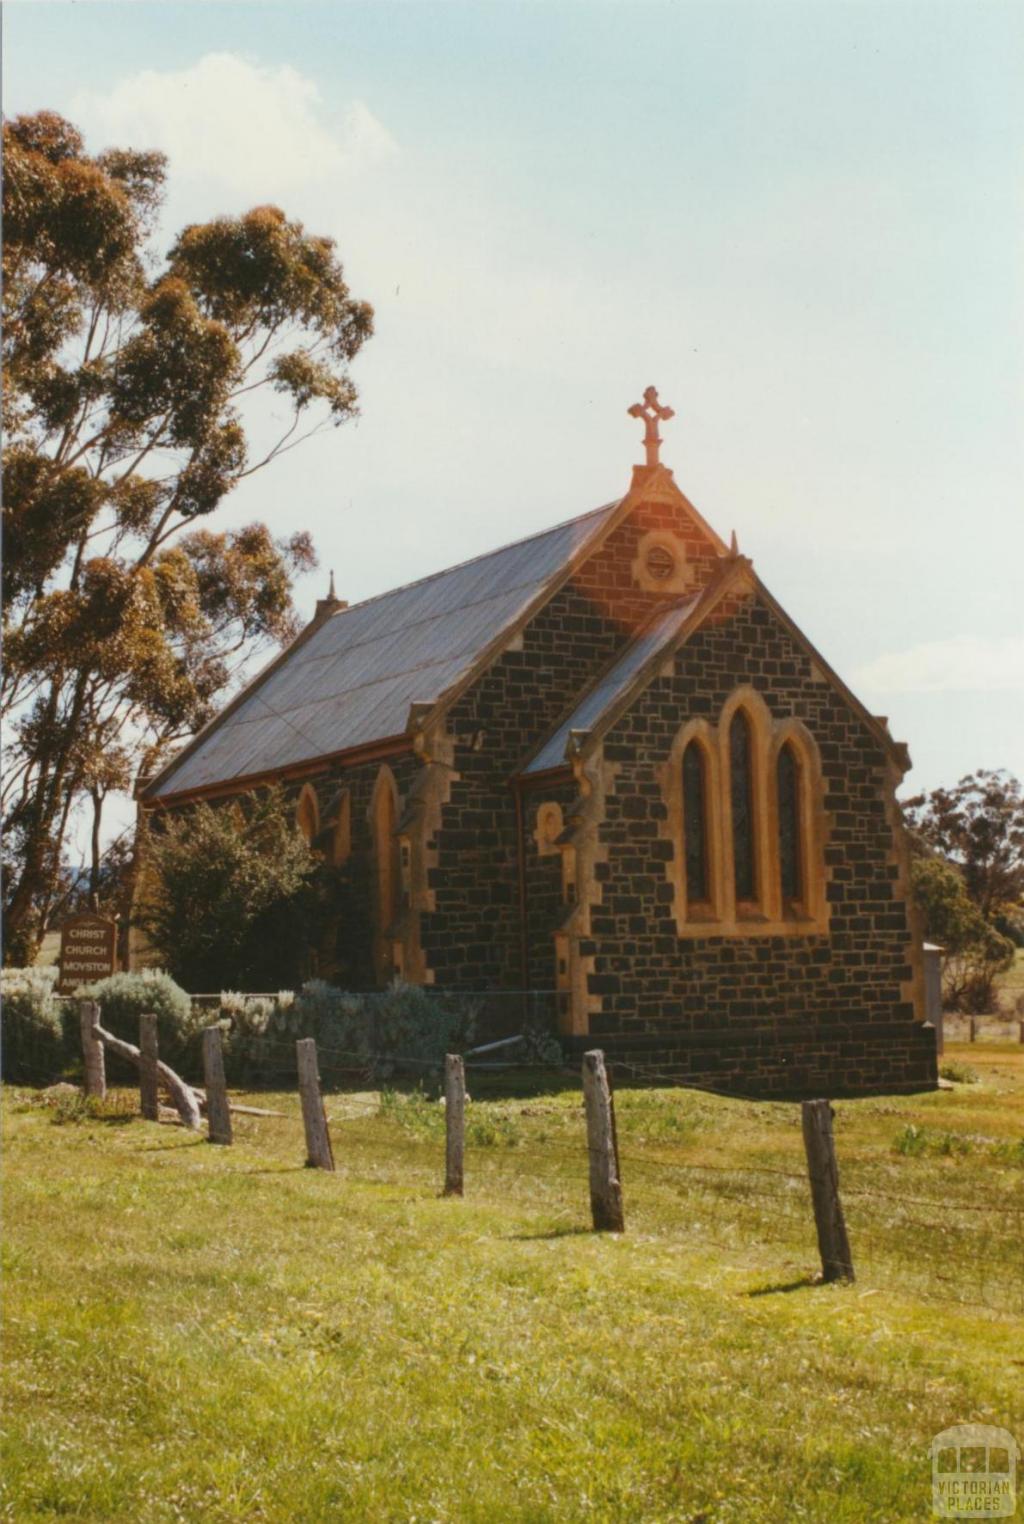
(388, 746)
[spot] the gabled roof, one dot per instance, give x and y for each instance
(615, 689)
(350, 680)
(612, 684)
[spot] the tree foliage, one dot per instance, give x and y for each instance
(231, 898)
(128, 381)
(979, 826)
(967, 876)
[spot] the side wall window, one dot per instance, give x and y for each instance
(695, 824)
(789, 784)
(741, 794)
(307, 814)
(387, 866)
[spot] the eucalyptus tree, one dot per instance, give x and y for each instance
(131, 381)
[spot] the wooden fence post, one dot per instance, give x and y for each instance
(318, 1139)
(454, 1122)
(218, 1112)
(92, 1050)
(1020, 1031)
(605, 1185)
(833, 1244)
(974, 1029)
(149, 1074)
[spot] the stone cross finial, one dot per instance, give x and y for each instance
(651, 410)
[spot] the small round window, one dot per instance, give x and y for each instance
(660, 563)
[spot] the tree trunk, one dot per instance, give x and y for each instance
(42, 845)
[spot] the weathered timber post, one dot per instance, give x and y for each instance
(218, 1113)
(149, 1073)
(605, 1185)
(183, 1095)
(819, 1143)
(92, 1050)
(318, 1139)
(974, 1029)
(454, 1122)
(1020, 1031)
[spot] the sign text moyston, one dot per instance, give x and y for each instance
(88, 946)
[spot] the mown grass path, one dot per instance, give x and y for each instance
(194, 1333)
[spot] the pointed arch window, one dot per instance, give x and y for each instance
(388, 870)
(789, 784)
(695, 824)
(307, 814)
(744, 810)
(741, 794)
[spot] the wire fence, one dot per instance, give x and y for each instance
(963, 1247)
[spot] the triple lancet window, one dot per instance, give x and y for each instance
(744, 808)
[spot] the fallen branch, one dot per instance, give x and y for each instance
(183, 1095)
(245, 1111)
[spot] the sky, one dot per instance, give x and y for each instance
(800, 219)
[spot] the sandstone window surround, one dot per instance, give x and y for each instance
(551, 836)
(307, 814)
(387, 876)
(661, 565)
(746, 819)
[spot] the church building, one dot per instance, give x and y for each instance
(603, 762)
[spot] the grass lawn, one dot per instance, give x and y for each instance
(195, 1333)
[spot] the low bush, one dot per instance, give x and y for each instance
(961, 1074)
(123, 998)
(73, 1106)
(422, 1115)
(32, 1031)
(915, 1141)
(375, 1035)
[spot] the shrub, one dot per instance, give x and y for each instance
(231, 893)
(74, 1107)
(376, 1034)
(420, 1114)
(33, 1048)
(915, 1141)
(960, 1074)
(123, 998)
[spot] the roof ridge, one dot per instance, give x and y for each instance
(539, 534)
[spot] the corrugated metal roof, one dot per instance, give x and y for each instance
(351, 682)
(613, 683)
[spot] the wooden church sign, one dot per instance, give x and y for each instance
(88, 951)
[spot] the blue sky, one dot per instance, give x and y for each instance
(801, 221)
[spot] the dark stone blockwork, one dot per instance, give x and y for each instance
(569, 879)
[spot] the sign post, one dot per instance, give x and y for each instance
(88, 951)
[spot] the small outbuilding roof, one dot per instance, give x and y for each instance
(350, 680)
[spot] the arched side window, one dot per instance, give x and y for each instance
(341, 835)
(307, 814)
(789, 785)
(387, 865)
(743, 806)
(696, 830)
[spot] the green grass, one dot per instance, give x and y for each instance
(194, 1333)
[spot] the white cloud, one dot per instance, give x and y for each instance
(962, 663)
(237, 125)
